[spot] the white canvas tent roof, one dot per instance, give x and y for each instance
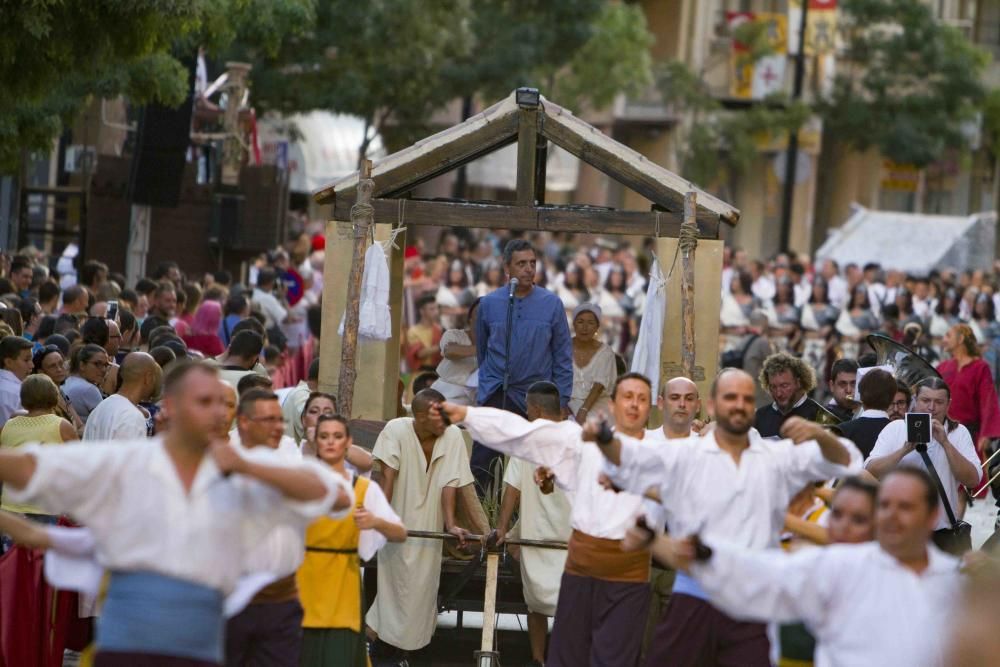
(317, 146)
(913, 242)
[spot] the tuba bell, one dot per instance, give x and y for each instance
(908, 367)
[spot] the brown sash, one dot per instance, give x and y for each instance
(282, 590)
(601, 558)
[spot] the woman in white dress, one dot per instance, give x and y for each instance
(594, 369)
(457, 372)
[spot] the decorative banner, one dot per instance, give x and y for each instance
(777, 29)
(821, 26)
(740, 69)
(749, 80)
(899, 177)
(768, 76)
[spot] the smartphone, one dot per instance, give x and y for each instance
(918, 427)
(112, 310)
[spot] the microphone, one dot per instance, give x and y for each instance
(511, 286)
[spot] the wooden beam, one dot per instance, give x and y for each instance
(586, 220)
(527, 141)
(395, 174)
(541, 168)
(630, 168)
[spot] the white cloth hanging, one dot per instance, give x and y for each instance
(646, 359)
(375, 320)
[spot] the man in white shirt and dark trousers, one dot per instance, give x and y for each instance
(172, 519)
(604, 592)
(119, 417)
(951, 450)
(728, 485)
(269, 630)
(890, 602)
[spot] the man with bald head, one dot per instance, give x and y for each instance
(680, 404)
(119, 416)
(729, 484)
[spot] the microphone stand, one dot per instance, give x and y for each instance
(510, 326)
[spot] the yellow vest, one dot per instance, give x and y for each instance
(329, 578)
(20, 430)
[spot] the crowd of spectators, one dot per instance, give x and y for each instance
(817, 310)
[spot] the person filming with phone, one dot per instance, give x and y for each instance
(946, 452)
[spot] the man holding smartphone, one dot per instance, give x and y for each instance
(950, 448)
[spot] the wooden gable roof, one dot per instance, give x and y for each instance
(499, 126)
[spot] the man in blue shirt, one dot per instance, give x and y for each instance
(540, 345)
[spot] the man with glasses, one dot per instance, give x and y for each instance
(789, 380)
(269, 630)
(900, 403)
(950, 450)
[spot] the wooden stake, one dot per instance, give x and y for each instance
(362, 217)
(490, 602)
(688, 243)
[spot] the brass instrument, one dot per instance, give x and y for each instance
(909, 368)
(827, 419)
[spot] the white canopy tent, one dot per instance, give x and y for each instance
(915, 243)
(317, 147)
(499, 170)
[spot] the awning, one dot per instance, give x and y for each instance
(499, 170)
(316, 147)
(913, 242)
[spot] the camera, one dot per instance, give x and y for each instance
(918, 427)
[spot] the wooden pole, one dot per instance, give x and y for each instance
(490, 602)
(688, 242)
(362, 218)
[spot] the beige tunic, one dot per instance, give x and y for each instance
(543, 517)
(404, 613)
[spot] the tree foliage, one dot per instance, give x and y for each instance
(395, 62)
(56, 54)
(905, 84)
(717, 142)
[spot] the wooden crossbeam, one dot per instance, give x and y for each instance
(581, 220)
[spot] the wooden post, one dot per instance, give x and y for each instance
(490, 602)
(527, 154)
(362, 217)
(688, 244)
(232, 147)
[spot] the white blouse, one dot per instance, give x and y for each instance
(601, 368)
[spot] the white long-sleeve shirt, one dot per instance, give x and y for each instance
(864, 608)
(576, 464)
(704, 491)
(129, 495)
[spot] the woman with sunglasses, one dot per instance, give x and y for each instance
(49, 361)
(87, 370)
